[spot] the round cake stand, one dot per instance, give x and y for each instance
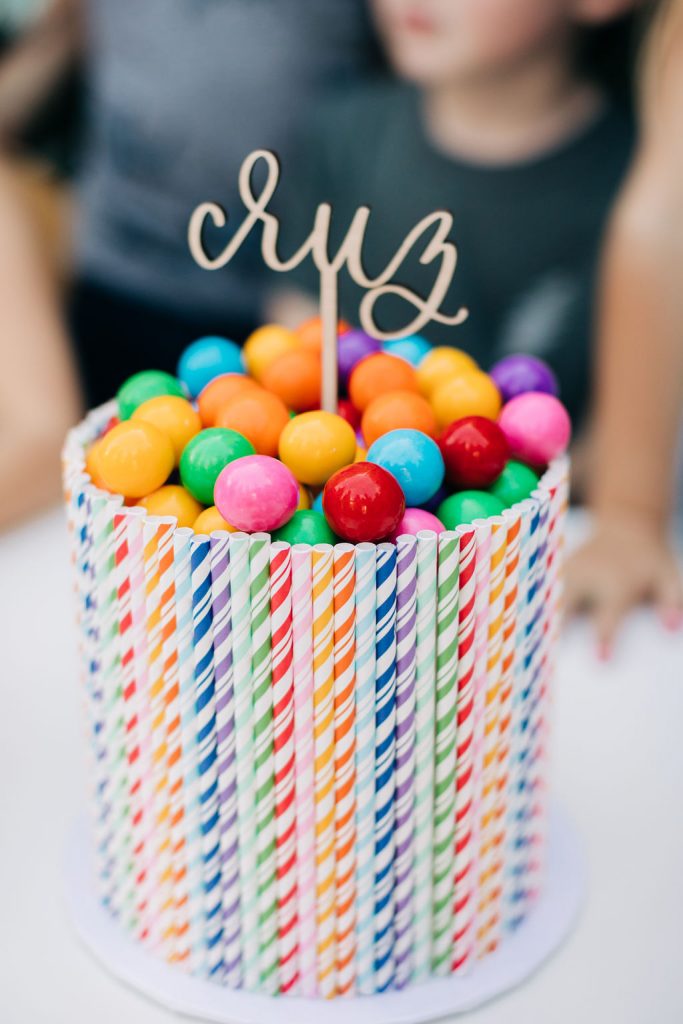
(519, 956)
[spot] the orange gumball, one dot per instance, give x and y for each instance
(172, 500)
(304, 499)
(310, 332)
(265, 345)
(92, 465)
(394, 410)
(218, 392)
(378, 373)
(259, 416)
(174, 416)
(295, 377)
(210, 520)
(470, 394)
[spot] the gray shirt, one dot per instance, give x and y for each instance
(180, 91)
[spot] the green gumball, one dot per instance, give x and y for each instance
(306, 527)
(144, 385)
(466, 506)
(515, 483)
(206, 455)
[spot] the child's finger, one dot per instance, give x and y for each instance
(609, 613)
(669, 597)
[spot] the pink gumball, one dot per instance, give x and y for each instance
(256, 493)
(537, 427)
(414, 520)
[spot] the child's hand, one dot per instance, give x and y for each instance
(625, 562)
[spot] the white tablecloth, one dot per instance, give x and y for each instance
(618, 769)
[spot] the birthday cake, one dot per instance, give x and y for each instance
(316, 654)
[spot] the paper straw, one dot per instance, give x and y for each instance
(385, 756)
(244, 753)
(285, 781)
(186, 837)
(323, 709)
(365, 768)
(302, 615)
(345, 767)
(406, 666)
(444, 751)
(264, 769)
(425, 706)
(226, 767)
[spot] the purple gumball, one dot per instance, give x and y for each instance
(515, 375)
(353, 346)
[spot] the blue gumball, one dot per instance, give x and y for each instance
(414, 459)
(412, 349)
(318, 504)
(207, 358)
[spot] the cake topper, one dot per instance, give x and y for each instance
(431, 233)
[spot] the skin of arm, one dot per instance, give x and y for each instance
(640, 368)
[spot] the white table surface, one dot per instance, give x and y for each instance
(618, 769)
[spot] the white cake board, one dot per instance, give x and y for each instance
(520, 955)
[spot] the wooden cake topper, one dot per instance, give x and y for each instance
(431, 232)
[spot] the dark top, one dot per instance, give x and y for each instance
(528, 233)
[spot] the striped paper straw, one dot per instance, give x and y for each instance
(244, 753)
(323, 710)
(226, 767)
(445, 750)
(406, 667)
(385, 756)
(365, 767)
(264, 769)
(285, 767)
(302, 615)
(345, 766)
(425, 709)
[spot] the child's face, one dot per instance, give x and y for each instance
(434, 42)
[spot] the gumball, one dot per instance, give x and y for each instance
(397, 409)
(466, 506)
(209, 521)
(206, 359)
(265, 345)
(134, 459)
(310, 332)
(318, 503)
(92, 465)
(413, 349)
(475, 452)
(348, 412)
(172, 500)
(141, 386)
(377, 374)
(360, 440)
(219, 392)
(440, 365)
(206, 455)
(306, 527)
(315, 445)
(174, 417)
(515, 375)
(361, 454)
(295, 377)
(414, 520)
(304, 499)
(363, 502)
(257, 414)
(351, 348)
(515, 483)
(414, 459)
(470, 394)
(537, 427)
(434, 502)
(256, 493)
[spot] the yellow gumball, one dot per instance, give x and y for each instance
(174, 417)
(172, 500)
(92, 465)
(470, 394)
(440, 365)
(315, 445)
(304, 499)
(211, 520)
(265, 345)
(134, 459)
(361, 454)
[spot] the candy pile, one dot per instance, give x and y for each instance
(423, 439)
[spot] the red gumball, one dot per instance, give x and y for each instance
(347, 410)
(475, 451)
(363, 502)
